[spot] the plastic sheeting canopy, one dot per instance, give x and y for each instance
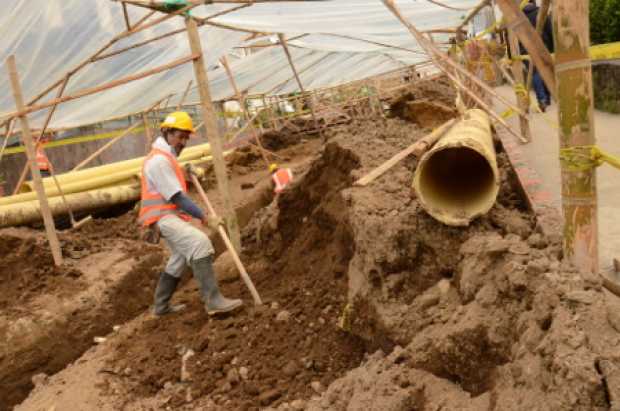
(50, 37)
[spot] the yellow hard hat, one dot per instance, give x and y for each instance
(179, 120)
(273, 167)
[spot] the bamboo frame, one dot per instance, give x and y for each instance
(543, 13)
(576, 131)
(48, 219)
(215, 140)
(299, 83)
(517, 72)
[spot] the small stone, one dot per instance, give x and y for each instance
(317, 387)
(283, 316)
(243, 373)
(270, 396)
(321, 321)
(311, 325)
(428, 300)
(233, 376)
(99, 340)
(168, 385)
(226, 387)
(39, 379)
(290, 369)
(116, 328)
(275, 305)
(127, 371)
(325, 311)
(234, 361)
(298, 405)
(579, 296)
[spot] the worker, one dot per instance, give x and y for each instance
(43, 163)
(166, 207)
(543, 96)
(281, 177)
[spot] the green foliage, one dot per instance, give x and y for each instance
(604, 21)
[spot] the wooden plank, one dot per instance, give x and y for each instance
(48, 220)
(215, 139)
(539, 55)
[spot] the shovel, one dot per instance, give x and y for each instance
(242, 271)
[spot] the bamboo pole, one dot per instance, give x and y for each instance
(440, 57)
(185, 93)
(521, 93)
(299, 83)
(30, 150)
(9, 131)
(24, 172)
(126, 16)
(106, 86)
(573, 73)
(241, 100)
(215, 139)
(437, 56)
(539, 55)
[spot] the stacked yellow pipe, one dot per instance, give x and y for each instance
(122, 185)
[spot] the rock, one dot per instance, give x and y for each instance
(298, 405)
(116, 328)
(243, 373)
(321, 321)
(580, 296)
(487, 295)
(39, 379)
(537, 241)
(290, 369)
(275, 305)
(283, 316)
(270, 396)
(538, 266)
(250, 388)
(99, 340)
(317, 387)
(428, 299)
(225, 268)
(226, 387)
(233, 376)
(326, 310)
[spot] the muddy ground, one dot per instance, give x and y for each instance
(370, 305)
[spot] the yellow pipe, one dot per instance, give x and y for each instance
(457, 180)
(189, 153)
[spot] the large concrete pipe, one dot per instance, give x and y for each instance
(457, 180)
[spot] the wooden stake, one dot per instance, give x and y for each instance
(299, 83)
(543, 12)
(573, 72)
(521, 93)
(215, 140)
(233, 252)
(30, 151)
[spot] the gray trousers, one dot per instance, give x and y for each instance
(186, 242)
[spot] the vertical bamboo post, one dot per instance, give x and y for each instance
(215, 139)
(148, 133)
(48, 220)
(573, 72)
(299, 83)
(521, 93)
(246, 116)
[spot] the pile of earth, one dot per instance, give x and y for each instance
(486, 317)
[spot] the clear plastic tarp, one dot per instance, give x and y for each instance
(345, 40)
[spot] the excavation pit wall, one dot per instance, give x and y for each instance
(471, 318)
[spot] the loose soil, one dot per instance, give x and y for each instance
(372, 305)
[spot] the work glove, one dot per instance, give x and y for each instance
(214, 221)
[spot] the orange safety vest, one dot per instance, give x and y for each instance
(43, 163)
(282, 178)
(153, 206)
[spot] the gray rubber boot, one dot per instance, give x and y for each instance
(215, 302)
(166, 286)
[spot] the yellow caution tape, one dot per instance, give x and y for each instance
(585, 158)
(610, 51)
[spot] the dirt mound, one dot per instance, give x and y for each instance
(265, 355)
(488, 316)
(28, 269)
(427, 104)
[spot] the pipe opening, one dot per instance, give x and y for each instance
(459, 181)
